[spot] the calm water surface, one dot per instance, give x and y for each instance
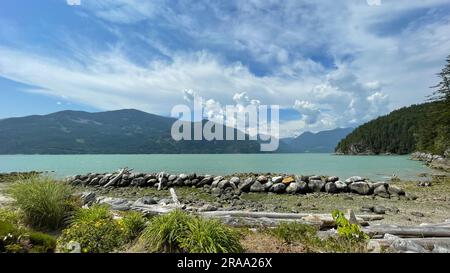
(374, 167)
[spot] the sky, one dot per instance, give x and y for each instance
(327, 64)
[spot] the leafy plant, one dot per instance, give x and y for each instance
(346, 229)
(44, 201)
(94, 229)
(210, 236)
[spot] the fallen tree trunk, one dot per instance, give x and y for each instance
(277, 215)
(115, 179)
(428, 243)
(405, 231)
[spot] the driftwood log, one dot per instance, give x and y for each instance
(378, 231)
(115, 179)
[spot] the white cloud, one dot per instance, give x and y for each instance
(73, 2)
(330, 59)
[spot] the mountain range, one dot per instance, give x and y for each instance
(131, 131)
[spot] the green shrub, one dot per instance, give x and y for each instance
(180, 232)
(210, 236)
(14, 239)
(45, 202)
(94, 229)
(346, 229)
(134, 223)
(164, 232)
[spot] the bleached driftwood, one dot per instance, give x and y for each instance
(427, 243)
(115, 179)
(277, 215)
(408, 231)
(174, 197)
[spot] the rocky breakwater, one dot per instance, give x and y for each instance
(441, 162)
(230, 187)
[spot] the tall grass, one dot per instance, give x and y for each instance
(45, 202)
(181, 232)
(210, 236)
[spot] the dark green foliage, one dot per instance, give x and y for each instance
(133, 223)
(180, 232)
(418, 127)
(114, 132)
(15, 238)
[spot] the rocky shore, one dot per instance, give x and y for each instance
(440, 162)
(234, 185)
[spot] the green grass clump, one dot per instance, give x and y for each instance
(165, 231)
(44, 201)
(181, 232)
(210, 236)
(133, 223)
(94, 229)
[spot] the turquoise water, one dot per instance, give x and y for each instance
(374, 167)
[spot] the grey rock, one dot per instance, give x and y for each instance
(207, 207)
(216, 191)
(354, 179)
(394, 190)
(77, 182)
(218, 178)
(215, 183)
(267, 185)
(330, 187)
(278, 188)
(293, 188)
(379, 210)
(417, 214)
(316, 185)
(146, 200)
(262, 179)
(332, 179)
(223, 184)
(315, 177)
(119, 204)
(207, 181)
(246, 184)
(359, 188)
(183, 176)
(235, 180)
(257, 187)
(381, 191)
(152, 182)
(302, 187)
(140, 182)
(341, 186)
(277, 179)
(87, 198)
(172, 177)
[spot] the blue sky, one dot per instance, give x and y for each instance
(327, 64)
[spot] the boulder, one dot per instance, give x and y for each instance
(87, 198)
(216, 191)
(354, 179)
(341, 186)
(332, 179)
(235, 180)
(394, 190)
(146, 200)
(152, 181)
(278, 188)
(262, 179)
(223, 184)
(330, 187)
(183, 176)
(292, 188)
(302, 187)
(267, 185)
(288, 180)
(379, 210)
(316, 185)
(246, 184)
(381, 191)
(257, 187)
(315, 177)
(360, 188)
(172, 177)
(208, 180)
(140, 182)
(215, 183)
(277, 179)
